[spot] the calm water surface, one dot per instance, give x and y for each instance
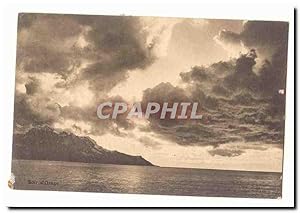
(70, 176)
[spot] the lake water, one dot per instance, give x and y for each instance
(69, 176)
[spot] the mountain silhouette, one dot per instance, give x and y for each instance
(45, 143)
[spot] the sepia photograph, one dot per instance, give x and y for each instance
(149, 105)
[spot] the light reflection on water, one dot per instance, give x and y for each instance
(144, 179)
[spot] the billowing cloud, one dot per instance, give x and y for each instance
(258, 35)
(270, 39)
(264, 33)
(68, 64)
(233, 102)
(34, 111)
(75, 51)
(53, 43)
(120, 45)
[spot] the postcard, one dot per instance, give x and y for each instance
(149, 105)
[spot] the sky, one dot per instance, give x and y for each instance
(68, 64)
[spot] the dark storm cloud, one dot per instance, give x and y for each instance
(270, 39)
(148, 142)
(33, 86)
(273, 72)
(184, 132)
(234, 74)
(230, 37)
(226, 152)
(89, 116)
(243, 75)
(193, 134)
(23, 114)
(196, 74)
(120, 44)
(233, 81)
(234, 150)
(240, 85)
(257, 34)
(30, 111)
(164, 92)
(167, 93)
(240, 97)
(122, 38)
(238, 75)
(43, 43)
(51, 44)
(43, 59)
(233, 103)
(264, 33)
(42, 110)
